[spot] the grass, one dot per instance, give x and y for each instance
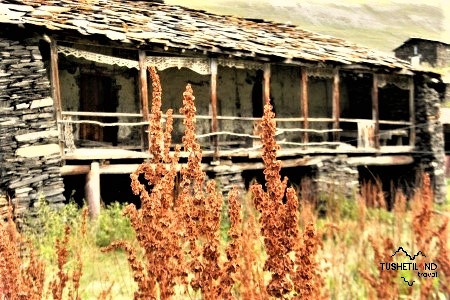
(101, 271)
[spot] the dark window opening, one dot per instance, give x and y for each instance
(257, 95)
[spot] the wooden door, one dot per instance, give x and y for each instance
(97, 95)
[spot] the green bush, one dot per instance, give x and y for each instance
(112, 226)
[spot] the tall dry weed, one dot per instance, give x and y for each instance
(278, 208)
(20, 277)
(383, 284)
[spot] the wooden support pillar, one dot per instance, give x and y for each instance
(266, 91)
(214, 122)
(375, 112)
(56, 91)
(304, 101)
(336, 104)
(143, 95)
(92, 190)
(412, 114)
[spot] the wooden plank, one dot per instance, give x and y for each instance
(56, 91)
(336, 104)
(102, 124)
(341, 120)
(375, 111)
(92, 190)
(117, 169)
(266, 91)
(412, 114)
(304, 101)
(100, 114)
(143, 95)
(381, 160)
(74, 170)
(214, 122)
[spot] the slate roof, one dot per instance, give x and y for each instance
(414, 40)
(144, 22)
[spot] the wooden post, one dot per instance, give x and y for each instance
(375, 111)
(266, 91)
(143, 94)
(304, 84)
(336, 104)
(56, 92)
(412, 116)
(214, 122)
(92, 190)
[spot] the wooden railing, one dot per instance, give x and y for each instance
(290, 132)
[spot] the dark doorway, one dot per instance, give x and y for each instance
(257, 95)
(97, 94)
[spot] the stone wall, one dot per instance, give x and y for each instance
(335, 177)
(429, 145)
(29, 153)
(443, 56)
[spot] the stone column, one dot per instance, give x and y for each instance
(429, 146)
(30, 156)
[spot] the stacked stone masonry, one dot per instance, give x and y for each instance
(335, 177)
(30, 157)
(429, 146)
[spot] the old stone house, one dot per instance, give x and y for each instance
(434, 55)
(74, 97)
(422, 51)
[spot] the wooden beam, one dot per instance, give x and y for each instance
(214, 122)
(92, 190)
(412, 113)
(336, 104)
(143, 95)
(56, 91)
(375, 111)
(266, 91)
(380, 160)
(304, 101)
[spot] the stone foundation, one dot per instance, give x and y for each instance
(335, 177)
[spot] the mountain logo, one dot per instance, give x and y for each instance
(407, 254)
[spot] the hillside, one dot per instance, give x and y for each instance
(382, 25)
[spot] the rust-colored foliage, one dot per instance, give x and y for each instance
(443, 256)
(384, 285)
(274, 212)
(308, 282)
(64, 281)
(249, 274)
(423, 223)
(20, 278)
(279, 224)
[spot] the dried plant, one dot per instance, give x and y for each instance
(251, 274)
(20, 277)
(273, 212)
(279, 225)
(372, 193)
(308, 282)
(443, 256)
(383, 284)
